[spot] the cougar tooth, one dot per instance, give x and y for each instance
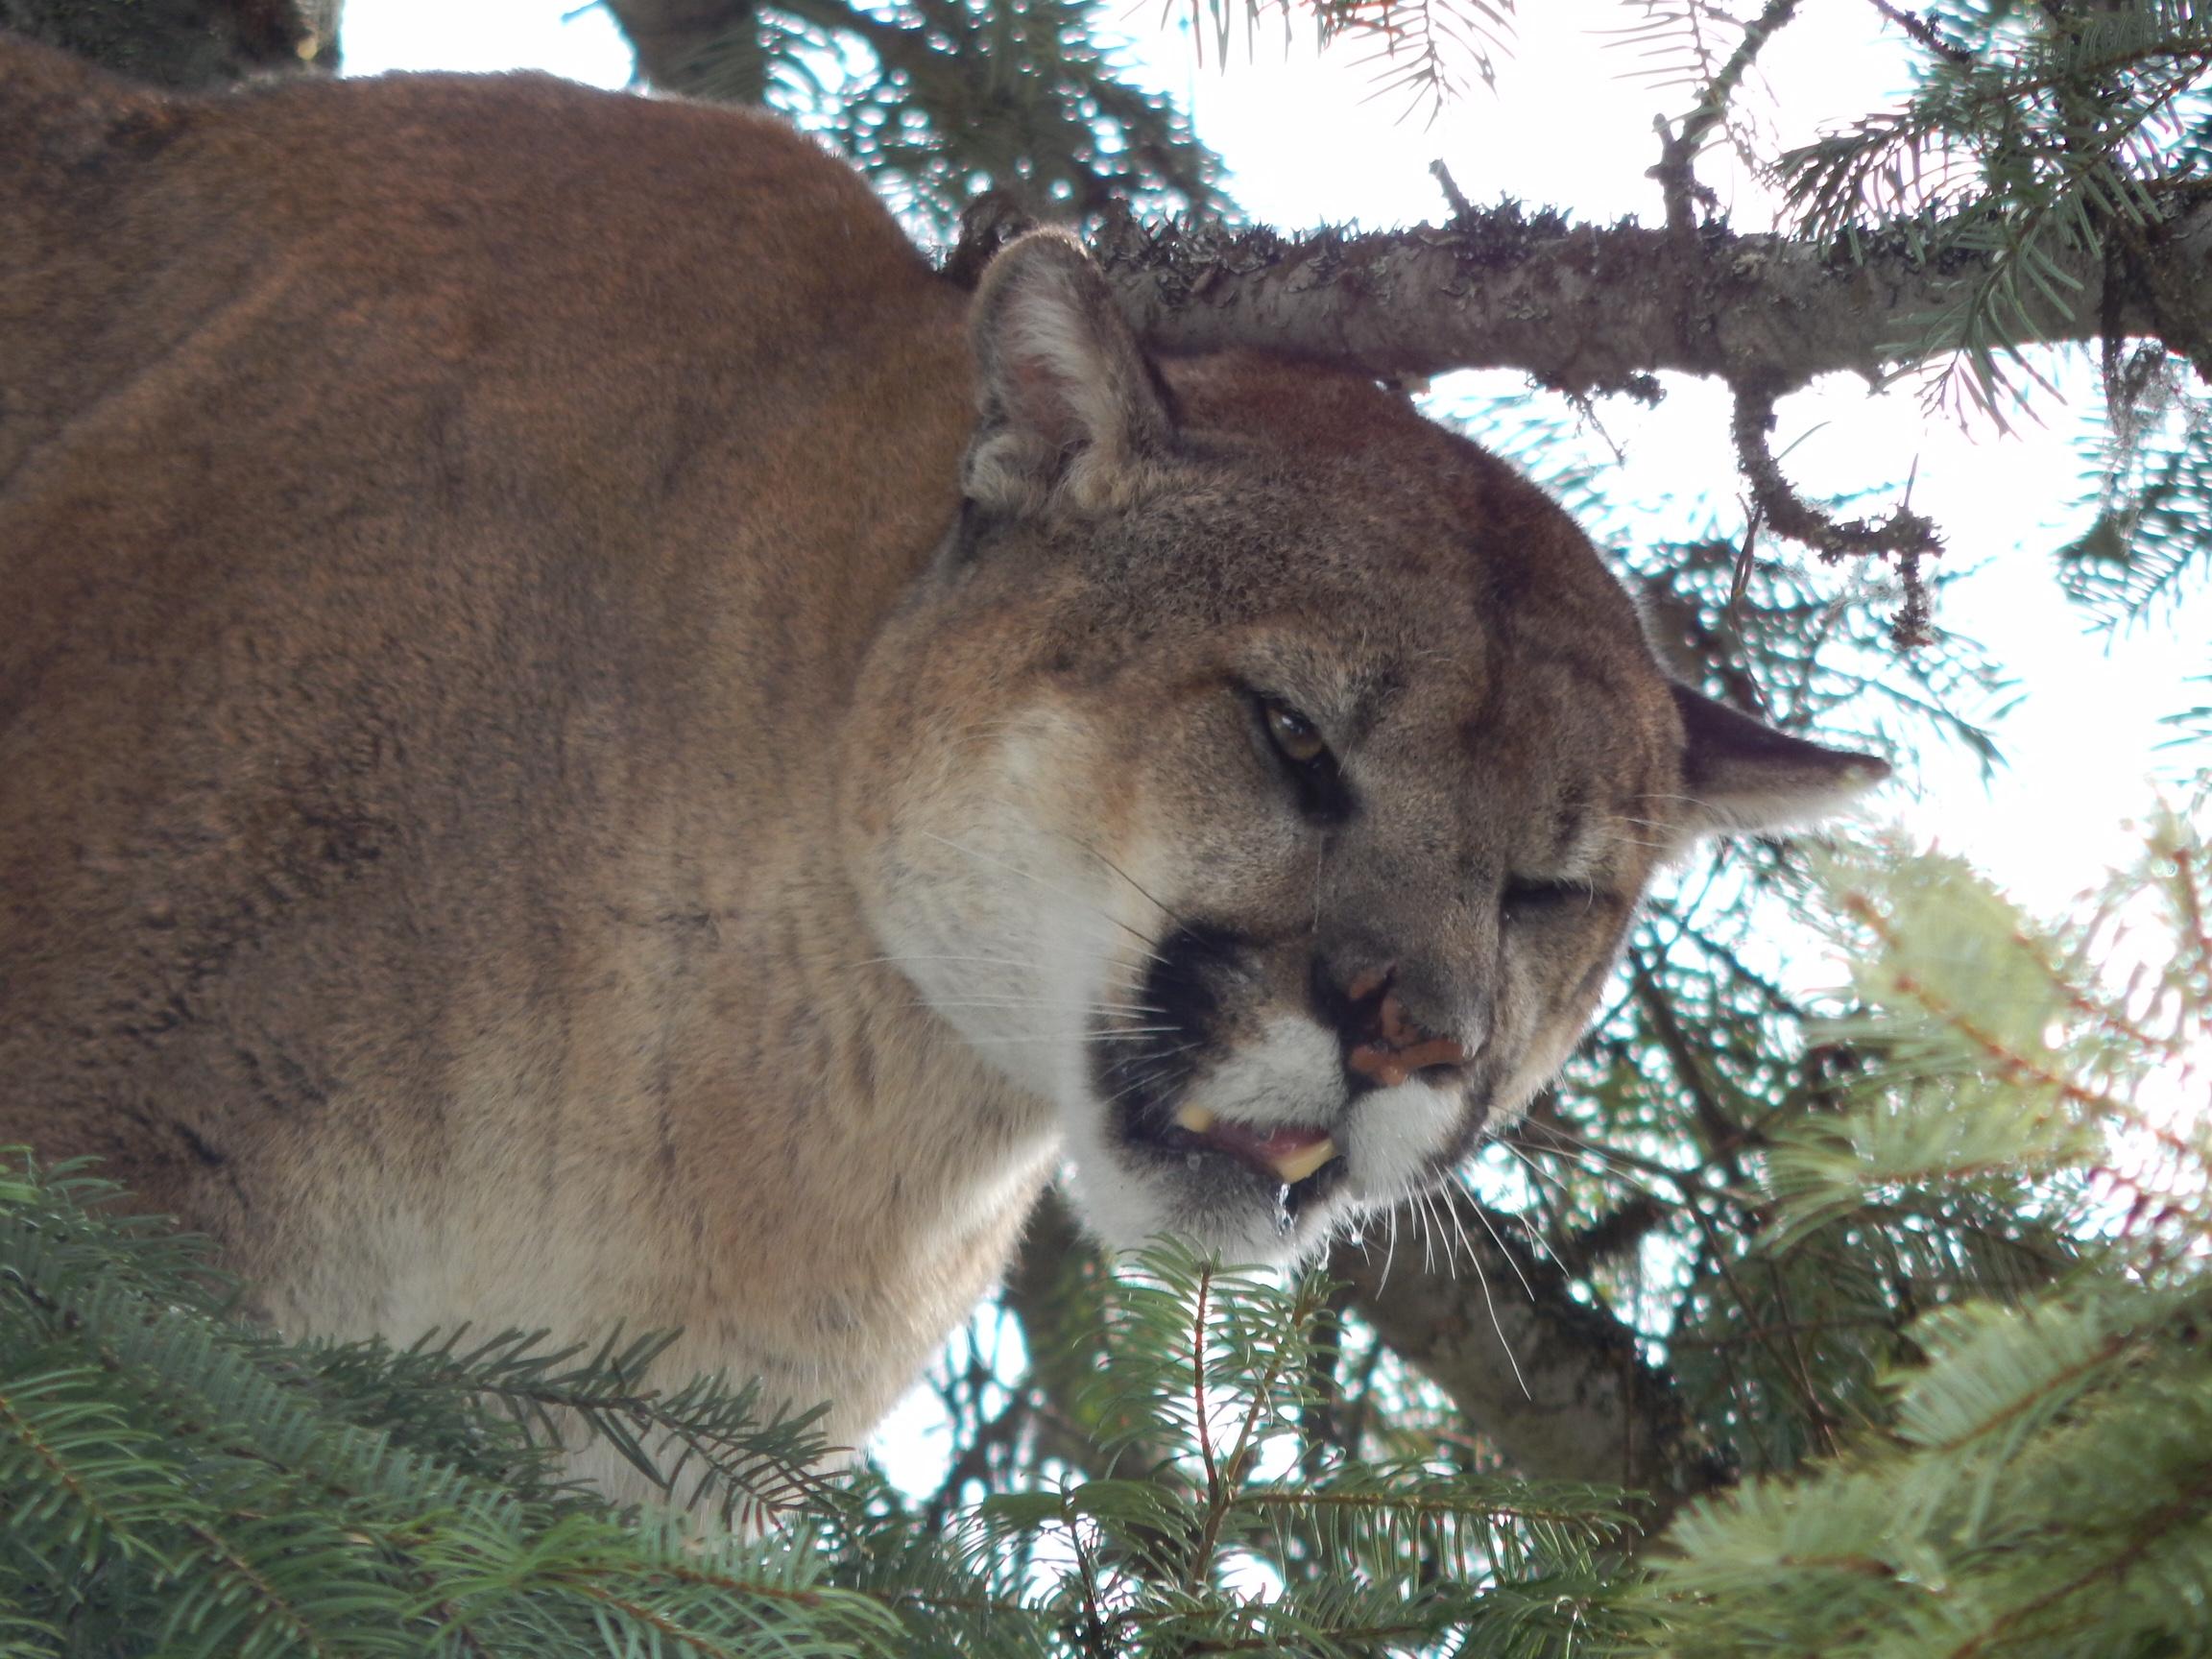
(1293, 1167)
(1196, 1119)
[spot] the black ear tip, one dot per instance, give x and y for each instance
(1749, 776)
(1713, 729)
(1849, 774)
(1847, 767)
(988, 225)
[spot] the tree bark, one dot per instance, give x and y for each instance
(185, 44)
(1589, 309)
(1475, 1314)
(1556, 1384)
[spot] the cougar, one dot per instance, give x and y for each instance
(583, 738)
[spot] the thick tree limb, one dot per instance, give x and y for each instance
(1059, 1324)
(701, 48)
(1554, 1383)
(1583, 308)
(1589, 308)
(185, 44)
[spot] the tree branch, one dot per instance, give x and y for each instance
(1679, 157)
(1059, 1326)
(1924, 31)
(701, 48)
(1555, 1384)
(190, 47)
(1465, 1313)
(1592, 309)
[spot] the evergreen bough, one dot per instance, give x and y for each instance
(2034, 1476)
(176, 1481)
(2019, 1464)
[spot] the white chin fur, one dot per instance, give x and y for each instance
(1390, 1138)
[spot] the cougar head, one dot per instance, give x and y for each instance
(1265, 775)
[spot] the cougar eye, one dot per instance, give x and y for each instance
(1530, 901)
(1308, 764)
(1293, 735)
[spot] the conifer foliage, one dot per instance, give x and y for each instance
(2022, 1467)
(175, 1481)
(2035, 1477)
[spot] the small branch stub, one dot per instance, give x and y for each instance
(1904, 535)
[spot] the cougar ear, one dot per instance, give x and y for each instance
(1745, 776)
(1073, 416)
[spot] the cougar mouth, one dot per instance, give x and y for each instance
(1293, 1165)
(1288, 1153)
(1256, 1172)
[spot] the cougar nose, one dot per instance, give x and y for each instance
(1383, 1045)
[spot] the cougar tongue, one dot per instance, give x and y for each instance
(1288, 1154)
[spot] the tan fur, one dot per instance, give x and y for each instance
(496, 666)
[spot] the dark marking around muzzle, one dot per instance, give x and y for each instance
(1143, 1072)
